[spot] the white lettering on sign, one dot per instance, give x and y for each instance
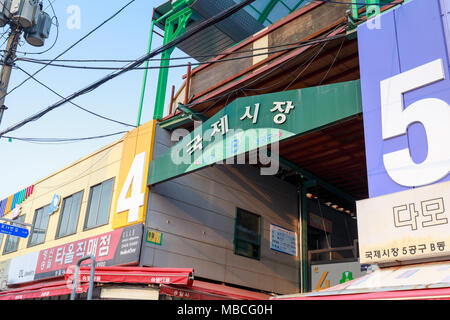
(248, 113)
(220, 126)
(195, 144)
(432, 113)
(135, 181)
(278, 107)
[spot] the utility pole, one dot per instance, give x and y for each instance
(7, 64)
(24, 16)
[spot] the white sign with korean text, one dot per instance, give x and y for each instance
(283, 240)
(404, 226)
(22, 268)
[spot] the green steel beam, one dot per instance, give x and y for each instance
(321, 182)
(144, 82)
(175, 26)
(175, 122)
(267, 10)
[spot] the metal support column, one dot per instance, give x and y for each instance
(304, 234)
(91, 279)
(175, 26)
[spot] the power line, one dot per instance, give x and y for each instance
(62, 140)
(174, 58)
(76, 43)
(74, 104)
(211, 21)
(300, 44)
(245, 87)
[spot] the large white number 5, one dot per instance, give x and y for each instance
(433, 113)
(134, 180)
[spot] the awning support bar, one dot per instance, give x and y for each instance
(91, 280)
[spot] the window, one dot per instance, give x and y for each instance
(12, 242)
(247, 234)
(40, 224)
(99, 204)
(70, 211)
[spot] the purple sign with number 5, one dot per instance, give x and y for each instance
(405, 83)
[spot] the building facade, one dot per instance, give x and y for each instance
(253, 179)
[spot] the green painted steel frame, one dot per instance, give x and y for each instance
(175, 26)
(317, 107)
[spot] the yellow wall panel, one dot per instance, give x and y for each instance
(136, 155)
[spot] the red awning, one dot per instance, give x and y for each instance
(178, 276)
(201, 290)
(416, 294)
(41, 290)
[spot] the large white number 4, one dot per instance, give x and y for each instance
(134, 180)
(434, 114)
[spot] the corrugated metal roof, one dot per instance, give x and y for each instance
(226, 33)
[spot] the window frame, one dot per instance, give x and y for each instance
(236, 239)
(86, 216)
(4, 252)
(58, 228)
(30, 237)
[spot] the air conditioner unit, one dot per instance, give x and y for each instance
(37, 34)
(5, 7)
(24, 12)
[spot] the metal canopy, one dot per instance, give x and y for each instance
(225, 34)
(310, 109)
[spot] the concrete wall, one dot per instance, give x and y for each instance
(196, 215)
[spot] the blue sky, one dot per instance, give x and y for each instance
(124, 37)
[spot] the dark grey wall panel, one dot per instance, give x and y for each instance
(196, 215)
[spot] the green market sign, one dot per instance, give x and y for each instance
(253, 123)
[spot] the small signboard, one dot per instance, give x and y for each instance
(13, 230)
(408, 225)
(283, 240)
(154, 237)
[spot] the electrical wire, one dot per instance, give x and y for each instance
(71, 102)
(332, 64)
(62, 140)
(306, 68)
(175, 58)
(258, 78)
(301, 44)
(211, 21)
(74, 44)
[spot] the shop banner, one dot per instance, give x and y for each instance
(405, 85)
(251, 123)
(408, 225)
(118, 247)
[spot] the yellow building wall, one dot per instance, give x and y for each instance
(81, 175)
(104, 164)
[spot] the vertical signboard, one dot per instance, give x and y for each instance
(132, 195)
(405, 85)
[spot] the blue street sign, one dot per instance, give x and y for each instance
(14, 231)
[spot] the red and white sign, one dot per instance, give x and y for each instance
(118, 247)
